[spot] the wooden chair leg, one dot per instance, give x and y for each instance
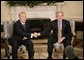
(7, 48)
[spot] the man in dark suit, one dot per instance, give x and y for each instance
(61, 33)
(21, 35)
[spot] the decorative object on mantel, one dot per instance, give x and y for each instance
(30, 3)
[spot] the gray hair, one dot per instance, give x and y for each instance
(59, 12)
(21, 13)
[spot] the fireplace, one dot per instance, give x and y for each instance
(79, 34)
(39, 25)
(79, 26)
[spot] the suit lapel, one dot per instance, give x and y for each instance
(26, 26)
(57, 25)
(63, 25)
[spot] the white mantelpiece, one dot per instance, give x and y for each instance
(41, 11)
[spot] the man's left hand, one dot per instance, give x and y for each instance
(60, 40)
(25, 38)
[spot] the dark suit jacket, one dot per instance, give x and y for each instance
(66, 31)
(19, 32)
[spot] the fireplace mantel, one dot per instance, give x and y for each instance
(40, 11)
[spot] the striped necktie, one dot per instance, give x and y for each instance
(59, 30)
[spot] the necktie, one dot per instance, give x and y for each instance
(59, 30)
(24, 26)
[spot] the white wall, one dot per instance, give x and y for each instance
(73, 10)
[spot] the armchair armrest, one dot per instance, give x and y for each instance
(73, 39)
(74, 34)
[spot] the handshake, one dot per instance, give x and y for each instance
(35, 34)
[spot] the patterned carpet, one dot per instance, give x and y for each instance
(40, 47)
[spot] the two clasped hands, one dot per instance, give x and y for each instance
(35, 34)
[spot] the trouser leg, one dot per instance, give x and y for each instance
(14, 51)
(29, 46)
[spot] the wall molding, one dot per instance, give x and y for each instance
(77, 19)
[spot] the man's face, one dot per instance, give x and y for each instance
(59, 16)
(22, 17)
